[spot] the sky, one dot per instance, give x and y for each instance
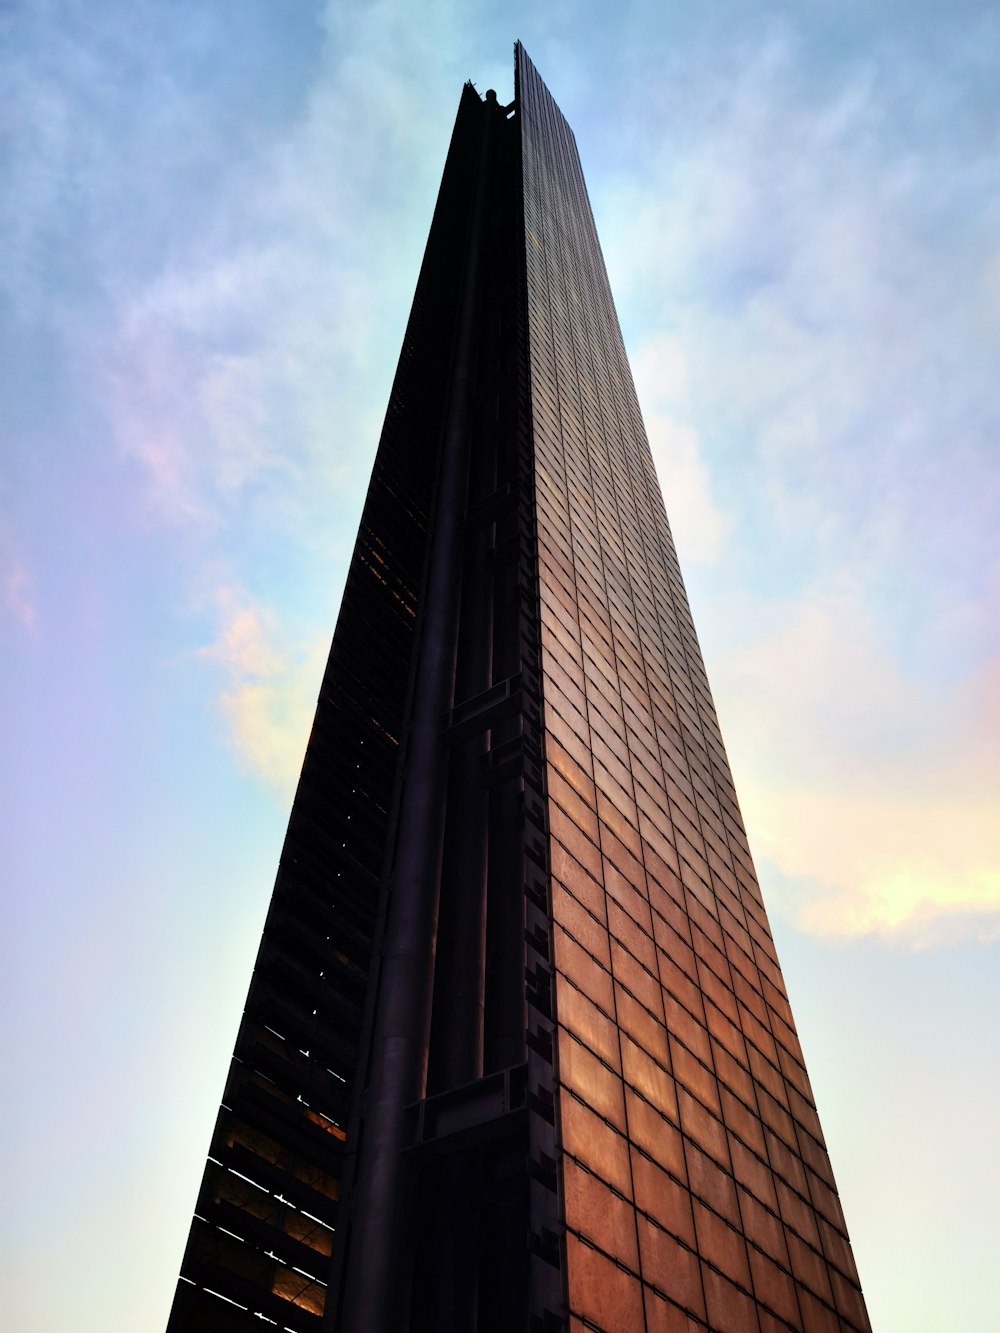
(212, 224)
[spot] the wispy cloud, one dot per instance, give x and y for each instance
(18, 598)
(214, 303)
(823, 401)
(661, 373)
(820, 253)
(872, 791)
(270, 694)
(248, 372)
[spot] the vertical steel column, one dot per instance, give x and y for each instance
(399, 1048)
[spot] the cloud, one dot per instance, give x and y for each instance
(815, 243)
(247, 370)
(17, 595)
(870, 791)
(661, 375)
(270, 696)
(198, 382)
(808, 268)
(699, 527)
(214, 247)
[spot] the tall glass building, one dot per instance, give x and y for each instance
(516, 1053)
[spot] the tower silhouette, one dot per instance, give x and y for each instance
(516, 1053)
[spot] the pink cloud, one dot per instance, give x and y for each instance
(17, 596)
(874, 791)
(270, 695)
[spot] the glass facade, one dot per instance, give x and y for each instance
(696, 1185)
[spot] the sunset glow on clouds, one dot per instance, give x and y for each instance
(16, 595)
(878, 791)
(213, 230)
(873, 791)
(270, 696)
(824, 418)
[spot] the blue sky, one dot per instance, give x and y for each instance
(212, 225)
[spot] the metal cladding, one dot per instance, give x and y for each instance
(516, 1052)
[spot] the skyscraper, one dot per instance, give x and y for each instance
(517, 1052)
